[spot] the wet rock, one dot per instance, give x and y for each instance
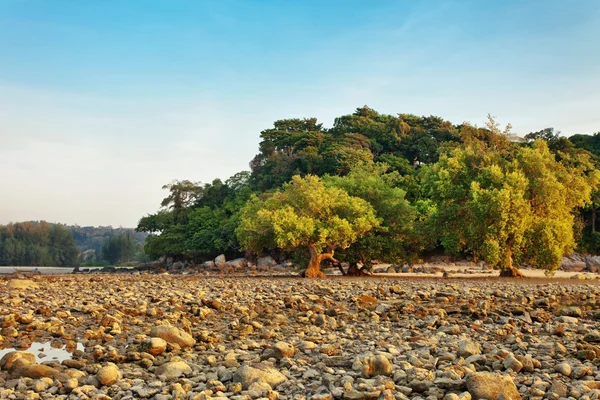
(36, 371)
(7, 361)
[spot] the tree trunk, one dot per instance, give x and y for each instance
(314, 266)
(508, 270)
(593, 220)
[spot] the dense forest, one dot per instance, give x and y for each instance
(391, 188)
(44, 244)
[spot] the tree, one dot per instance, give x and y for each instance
(507, 210)
(305, 213)
(392, 240)
(182, 195)
(119, 248)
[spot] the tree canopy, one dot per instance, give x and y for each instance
(305, 213)
(431, 186)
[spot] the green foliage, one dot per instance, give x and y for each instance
(393, 240)
(201, 229)
(463, 188)
(120, 248)
(506, 206)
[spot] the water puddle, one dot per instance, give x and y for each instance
(45, 351)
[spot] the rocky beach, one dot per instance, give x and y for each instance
(161, 336)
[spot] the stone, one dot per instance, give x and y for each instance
(488, 386)
(7, 361)
(108, 375)
(154, 346)
(36, 371)
(173, 335)
(467, 348)
(173, 369)
(283, 350)
(511, 362)
(563, 368)
(267, 261)
(259, 372)
(220, 261)
(374, 365)
(22, 284)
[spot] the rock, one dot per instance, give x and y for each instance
(239, 263)
(467, 348)
(173, 369)
(571, 311)
(510, 362)
(173, 335)
(374, 365)
(267, 261)
(154, 346)
(488, 386)
(563, 368)
(7, 361)
(283, 350)
(220, 261)
(260, 372)
(22, 284)
(108, 375)
(580, 372)
(36, 371)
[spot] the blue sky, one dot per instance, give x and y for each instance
(103, 102)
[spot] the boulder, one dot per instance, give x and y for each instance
(173, 335)
(239, 263)
(468, 348)
(374, 365)
(511, 362)
(267, 261)
(154, 346)
(220, 261)
(563, 368)
(36, 371)
(108, 375)
(260, 372)
(173, 370)
(9, 359)
(22, 284)
(283, 350)
(489, 386)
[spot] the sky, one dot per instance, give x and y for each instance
(104, 102)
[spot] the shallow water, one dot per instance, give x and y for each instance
(51, 353)
(41, 270)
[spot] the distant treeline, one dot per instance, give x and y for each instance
(35, 243)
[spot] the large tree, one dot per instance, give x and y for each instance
(305, 213)
(509, 208)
